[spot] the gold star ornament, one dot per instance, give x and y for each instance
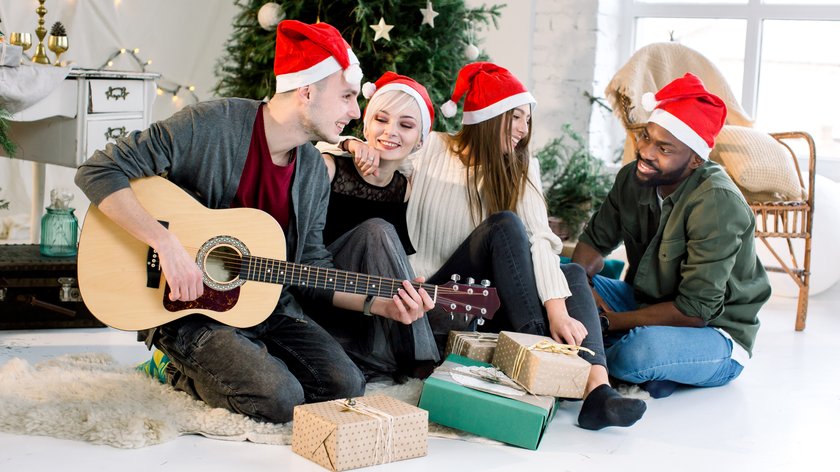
(382, 30)
(429, 14)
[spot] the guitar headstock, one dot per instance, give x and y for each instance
(480, 301)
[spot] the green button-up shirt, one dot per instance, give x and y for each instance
(697, 250)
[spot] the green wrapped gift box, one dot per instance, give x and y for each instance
(517, 420)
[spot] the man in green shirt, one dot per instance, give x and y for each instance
(687, 310)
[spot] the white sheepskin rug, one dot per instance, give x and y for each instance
(89, 397)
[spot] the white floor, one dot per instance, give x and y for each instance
(780, 415)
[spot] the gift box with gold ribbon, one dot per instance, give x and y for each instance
(471, 344)
(541, 365)
(359, 432)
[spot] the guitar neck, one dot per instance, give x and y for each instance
(274, 271)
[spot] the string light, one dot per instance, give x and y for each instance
(164, 85)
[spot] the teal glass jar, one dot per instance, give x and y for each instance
(59, 232)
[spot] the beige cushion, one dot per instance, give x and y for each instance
(761, 166)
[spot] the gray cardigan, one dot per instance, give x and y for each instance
(203, 149)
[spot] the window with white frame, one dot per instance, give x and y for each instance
(780, 57)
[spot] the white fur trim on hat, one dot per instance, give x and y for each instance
(449, 109)
(425, 118)
(496, 109)
(302, 78)
(681, 131)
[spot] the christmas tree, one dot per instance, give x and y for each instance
(432, 53)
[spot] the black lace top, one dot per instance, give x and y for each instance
(353, 200)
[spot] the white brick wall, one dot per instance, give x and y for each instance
(551, 45)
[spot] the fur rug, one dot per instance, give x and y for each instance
(89, 397)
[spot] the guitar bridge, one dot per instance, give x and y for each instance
(153, 264)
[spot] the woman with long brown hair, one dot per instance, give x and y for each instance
(476, 208)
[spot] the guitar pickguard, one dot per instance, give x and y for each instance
(213, 300)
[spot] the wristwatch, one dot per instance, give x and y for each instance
(367, 305)
(605, 323)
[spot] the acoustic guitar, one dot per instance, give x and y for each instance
(243, 267)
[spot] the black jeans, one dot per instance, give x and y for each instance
(499, 250)
(261, 372)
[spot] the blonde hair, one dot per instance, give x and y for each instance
(395, 103)
(502, 171)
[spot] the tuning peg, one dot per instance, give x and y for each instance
(485, 283)
(480, 321)
(470, 281)
(455, 277)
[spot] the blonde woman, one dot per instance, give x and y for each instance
(367, 215)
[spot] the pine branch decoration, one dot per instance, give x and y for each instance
(5, 142)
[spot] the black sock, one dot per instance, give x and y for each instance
(606, 407)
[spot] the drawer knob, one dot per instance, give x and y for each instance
(116, 93)
(113, 134)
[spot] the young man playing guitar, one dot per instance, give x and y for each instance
(243, 153)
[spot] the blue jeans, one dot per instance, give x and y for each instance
(700, 357)
(263, 371)
(499, 250)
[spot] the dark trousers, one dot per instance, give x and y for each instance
(499, 250)
(262, 372)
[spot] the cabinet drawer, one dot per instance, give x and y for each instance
(108, 96)
(101, 132)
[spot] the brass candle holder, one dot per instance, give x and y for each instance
(41, 52)
(58, 44)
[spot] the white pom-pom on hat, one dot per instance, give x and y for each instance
(449, 109)
(368, 89)
(353, 74)
(649, 101)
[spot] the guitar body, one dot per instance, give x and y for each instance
(113, 274)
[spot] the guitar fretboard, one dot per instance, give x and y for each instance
(261, 269)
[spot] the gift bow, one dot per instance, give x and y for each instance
(384, 447)
(557, 348)
(544, 346)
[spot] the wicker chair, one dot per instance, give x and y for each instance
(789, 221)
(785, 220)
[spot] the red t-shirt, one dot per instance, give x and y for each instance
(263, 184)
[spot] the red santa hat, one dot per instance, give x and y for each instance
(393, 81)
(687, 110)
(490, 91)
(305, 54)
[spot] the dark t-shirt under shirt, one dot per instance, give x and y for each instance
(265, 185)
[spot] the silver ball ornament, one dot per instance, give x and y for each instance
(471, 52)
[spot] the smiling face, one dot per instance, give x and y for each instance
(662, 160)
(393, 125)
(519, 130)
(331, 107)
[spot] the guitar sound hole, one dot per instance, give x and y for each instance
(222, 264)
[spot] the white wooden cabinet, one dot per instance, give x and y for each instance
(86, 111)
(89, 109)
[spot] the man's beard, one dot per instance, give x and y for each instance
(659, 178)
(313, 129)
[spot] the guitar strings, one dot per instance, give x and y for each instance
(234, 262)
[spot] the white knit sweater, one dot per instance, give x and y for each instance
(439, 217)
